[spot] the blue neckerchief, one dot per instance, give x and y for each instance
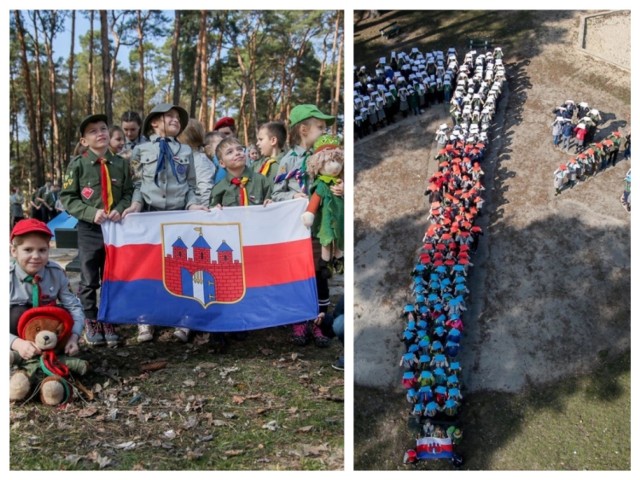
(166, 155)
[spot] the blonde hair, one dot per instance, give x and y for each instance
(193, 134)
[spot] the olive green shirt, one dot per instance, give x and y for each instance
(227, 194)
(273, 168)
(81, 192)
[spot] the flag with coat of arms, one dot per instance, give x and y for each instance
(231, 269)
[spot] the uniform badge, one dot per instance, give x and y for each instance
(181, 168)
(87, 192)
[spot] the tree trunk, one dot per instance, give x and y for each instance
(39, 108)
(324, 64)
(204, 66)
(106, 66)
(49, 30)
(196, 82)
(141, 102)
(336, 98)
(70, 136)
(214, 95)
(90, 66)
(175, 60)
(37, 172)
(243, 118)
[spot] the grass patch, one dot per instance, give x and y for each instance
(579, 423)
(265, 405)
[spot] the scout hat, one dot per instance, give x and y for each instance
(159, 110)
(92, 119)
(303, 112)
(30, 225)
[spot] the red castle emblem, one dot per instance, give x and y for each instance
(196, 274)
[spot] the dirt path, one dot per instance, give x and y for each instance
(551, 285)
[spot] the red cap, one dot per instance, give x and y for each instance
(224, 122)
(30, 225)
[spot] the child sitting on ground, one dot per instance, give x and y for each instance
(34, 281)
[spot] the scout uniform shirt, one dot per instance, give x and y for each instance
(81, 192)
(174, 190)
(271, 170)
(227, 194)
(290, 166)
(53, 286)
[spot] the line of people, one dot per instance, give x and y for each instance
(593, 159)
(433, 319)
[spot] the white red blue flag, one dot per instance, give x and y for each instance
(429, 448)
(231, 269)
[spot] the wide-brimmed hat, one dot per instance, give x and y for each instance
(159, 110)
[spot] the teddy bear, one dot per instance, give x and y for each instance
(49, 328)
(325, 212)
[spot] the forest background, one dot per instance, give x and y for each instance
(252, 65)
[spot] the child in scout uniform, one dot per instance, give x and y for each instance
(34, 281)
(167, 176)
(97, 188)
(272, 137)
(307, 123)
(241, 187)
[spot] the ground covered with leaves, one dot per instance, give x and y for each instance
(264, 405)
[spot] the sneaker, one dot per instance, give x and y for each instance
(299, 334)
(318, 337)
(182, 334)
(338, 364)
(93, 333)
(110, 335)
(145, 333)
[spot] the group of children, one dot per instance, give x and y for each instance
(159, 165)
(412, 82)
(594, 158)
(433, 318)
(583, 129)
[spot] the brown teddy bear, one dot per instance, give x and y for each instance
(48, 328)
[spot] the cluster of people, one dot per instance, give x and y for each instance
(595, 158)
(43, 204)
(413, 81)
(434, 324)
(168, 162)
(574, 121)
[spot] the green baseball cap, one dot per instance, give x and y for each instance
(300, 113)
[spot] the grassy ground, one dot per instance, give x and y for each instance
(264, 405)
(507, 431)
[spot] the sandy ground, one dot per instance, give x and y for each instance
(550, 290)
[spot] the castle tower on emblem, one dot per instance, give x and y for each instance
(208, 281)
